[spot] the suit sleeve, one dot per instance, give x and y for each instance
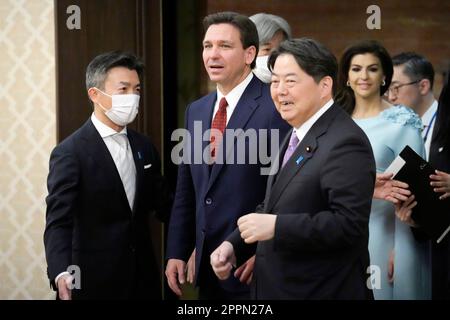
(162, 194)
(242, 250)
(347, 181)
(62, 184)
(182, 226)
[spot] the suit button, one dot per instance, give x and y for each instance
(208, 201)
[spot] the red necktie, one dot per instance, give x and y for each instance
(219, 123)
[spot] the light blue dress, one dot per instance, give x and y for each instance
(389, 133)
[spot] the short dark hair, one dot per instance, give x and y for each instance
(246, 27)
(416, 66)
(346, 96)
(98, 68)
(312, 57)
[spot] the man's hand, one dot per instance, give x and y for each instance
(190, 268)
(222, 260)
(257, 227)
(403, 211)
(441, 182)
(245, 272)
(391, 190)
(64, 284)
(175, 274)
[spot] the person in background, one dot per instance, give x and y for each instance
(104, 182)
(272, 30)
(439, 158)
(365, 74)
(412, 86)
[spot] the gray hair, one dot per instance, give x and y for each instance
(269, 24)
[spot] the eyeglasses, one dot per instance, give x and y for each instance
(394, 89)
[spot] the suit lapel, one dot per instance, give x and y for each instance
(138, 157)
(206, 121)
(242, 113)
(302, 154)
(97, 150)
(292, 168)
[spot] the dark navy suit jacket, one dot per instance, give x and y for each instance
(210, 199)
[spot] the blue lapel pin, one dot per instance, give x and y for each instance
(299, 160)
(139, 155)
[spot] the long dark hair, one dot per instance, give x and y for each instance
(442, 127)
(345, 96)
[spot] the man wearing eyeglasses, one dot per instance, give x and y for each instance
(412, 86)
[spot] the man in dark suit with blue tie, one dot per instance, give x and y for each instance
(312, 229)
(213, 193)
(103, 184)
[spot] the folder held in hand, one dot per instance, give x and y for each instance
(430, 213)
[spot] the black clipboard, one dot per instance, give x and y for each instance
(430, 213)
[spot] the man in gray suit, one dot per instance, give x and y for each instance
(312, 229)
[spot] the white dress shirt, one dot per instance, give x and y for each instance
(428, 121)
(232, 97)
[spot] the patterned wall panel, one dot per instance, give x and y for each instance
(27, 135)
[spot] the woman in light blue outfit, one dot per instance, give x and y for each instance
(399, 265)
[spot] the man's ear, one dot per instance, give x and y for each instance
(250, 54)
(93, 94)
(326, 86)
(424, 86)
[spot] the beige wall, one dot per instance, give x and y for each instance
(27, 135)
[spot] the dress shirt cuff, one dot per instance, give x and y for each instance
(59, 276)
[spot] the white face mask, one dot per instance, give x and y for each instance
(261, 70)
(124, 108)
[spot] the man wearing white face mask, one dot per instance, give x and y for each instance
(272, 30)
(104, 182)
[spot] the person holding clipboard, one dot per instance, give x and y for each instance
(439, 158)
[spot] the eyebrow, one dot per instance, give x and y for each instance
(286, 75)
(371, 65)
(125, 83)
(219, 41)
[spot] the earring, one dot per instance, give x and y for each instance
(348, 83)
(383, 83)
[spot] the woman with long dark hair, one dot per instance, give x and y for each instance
(399, 264)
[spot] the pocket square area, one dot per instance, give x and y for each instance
(146, 166)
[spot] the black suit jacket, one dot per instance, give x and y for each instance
(440, 252)
(322, 199)
(89, 222)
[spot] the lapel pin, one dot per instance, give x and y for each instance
(299, 160)
(139, 155)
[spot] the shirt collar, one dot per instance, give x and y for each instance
(304, 128)
(235, 94)
(103, 129)
(428, 115)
